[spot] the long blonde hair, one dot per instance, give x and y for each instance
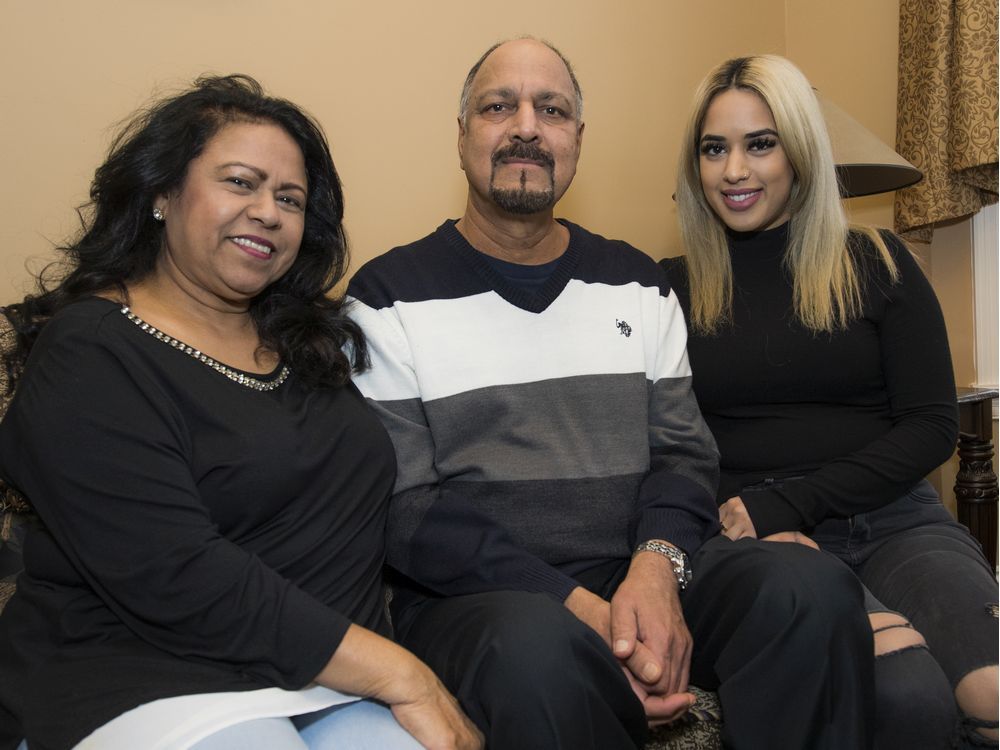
(826, 287)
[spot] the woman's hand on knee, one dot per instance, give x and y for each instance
(369, 665)
(735, 520)
(436, 720)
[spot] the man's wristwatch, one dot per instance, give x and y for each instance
(678, 560)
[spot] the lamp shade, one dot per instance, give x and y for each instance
(865, 165)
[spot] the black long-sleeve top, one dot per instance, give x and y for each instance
(197, 535)
(862, 414)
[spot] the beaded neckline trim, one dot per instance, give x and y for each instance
(235, 375)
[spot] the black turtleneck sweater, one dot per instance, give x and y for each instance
(862, 414)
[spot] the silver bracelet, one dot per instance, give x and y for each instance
(678, 560)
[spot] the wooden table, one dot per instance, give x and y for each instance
(976, 482)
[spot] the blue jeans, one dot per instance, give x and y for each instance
(361, 725)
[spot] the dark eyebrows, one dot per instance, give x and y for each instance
(256, 170)
(262, 175)
(748, 137)
(293, 186)
(502, 93)
(548, 96)
(508, 94)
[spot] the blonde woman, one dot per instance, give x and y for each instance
(821, 364)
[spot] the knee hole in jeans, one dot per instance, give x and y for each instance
(981, 728)
(894, 633)
(977, 698)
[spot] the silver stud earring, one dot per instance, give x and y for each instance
(157, 214)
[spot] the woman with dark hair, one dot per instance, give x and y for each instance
(211, 488)
(820, 361)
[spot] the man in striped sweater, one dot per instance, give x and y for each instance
(555, 475)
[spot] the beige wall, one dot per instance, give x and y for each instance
(382, 77)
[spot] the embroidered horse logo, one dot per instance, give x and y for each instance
(624, 328)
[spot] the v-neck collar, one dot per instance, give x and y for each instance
(536, 301)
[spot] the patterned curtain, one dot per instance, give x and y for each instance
(947, 110)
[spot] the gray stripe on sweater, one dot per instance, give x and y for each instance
(679, 438)
(407, 426)
(551, 429)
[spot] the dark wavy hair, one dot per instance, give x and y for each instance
(297, 317)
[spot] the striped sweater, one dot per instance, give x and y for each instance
(537, 434)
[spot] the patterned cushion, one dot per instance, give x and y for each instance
(15, 513)
(14, 518)
(700, 729)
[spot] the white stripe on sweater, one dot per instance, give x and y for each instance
(437, 348)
